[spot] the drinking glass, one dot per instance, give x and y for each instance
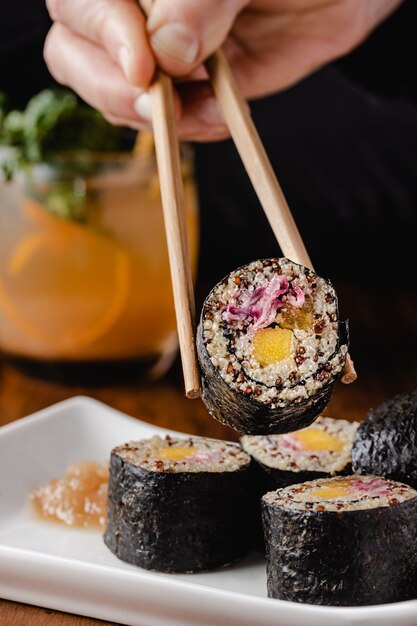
(85, 289)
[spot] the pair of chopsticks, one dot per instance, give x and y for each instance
(249, 145)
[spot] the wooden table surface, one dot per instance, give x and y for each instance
(383, 346)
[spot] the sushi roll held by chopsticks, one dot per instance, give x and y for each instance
(270, 346)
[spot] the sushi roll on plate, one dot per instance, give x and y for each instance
(178, 504)
(386, 441)
(320, 450)
(270, 347)
(341, 541)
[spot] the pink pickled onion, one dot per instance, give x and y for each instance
(376, 486)
(263, 303)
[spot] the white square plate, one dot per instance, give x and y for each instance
(72, 570)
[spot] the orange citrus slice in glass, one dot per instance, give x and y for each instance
(64, 284)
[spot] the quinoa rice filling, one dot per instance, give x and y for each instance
(349, 493)
(271, 329)
(325, 446)
(191, 454)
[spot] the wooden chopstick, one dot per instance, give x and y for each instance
(252, 152)
(172, 192)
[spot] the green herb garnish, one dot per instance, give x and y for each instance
(56, 121)
(58, 129)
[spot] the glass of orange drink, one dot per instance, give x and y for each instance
(84, 273)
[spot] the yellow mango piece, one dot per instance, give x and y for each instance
(270, 345)
(174, 454)
(316, 439)
(329, 493)
(338, 489)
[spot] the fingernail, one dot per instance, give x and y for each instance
(143, 106)
(125, 61)
(177, 41)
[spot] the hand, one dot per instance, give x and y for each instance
(106, 52)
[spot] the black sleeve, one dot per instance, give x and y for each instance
(344, 145)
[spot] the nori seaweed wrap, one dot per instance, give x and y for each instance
(386, 441)
(178, 505)
(341, 541)
(270, 347)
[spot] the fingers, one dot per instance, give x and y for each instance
(201, 118)
(185, 32)
(89, 71)
(90, 49)
(117, 26)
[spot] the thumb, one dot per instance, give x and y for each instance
(184, 33)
